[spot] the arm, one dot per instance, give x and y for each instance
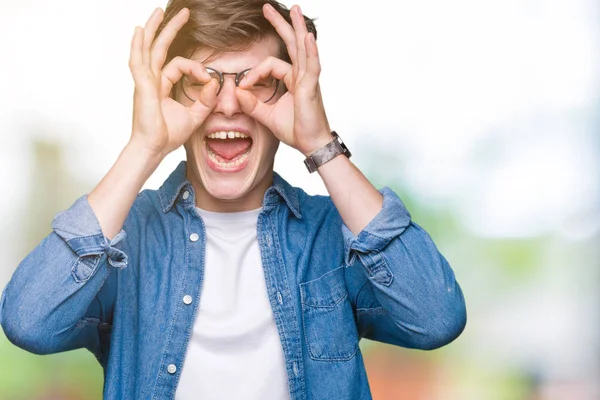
(160, 124)
(65, 287)
(59, 293)
(410, 296)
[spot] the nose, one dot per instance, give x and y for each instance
(227, 102)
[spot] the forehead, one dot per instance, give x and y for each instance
(236, 61)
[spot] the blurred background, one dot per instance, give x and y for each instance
(483, 115)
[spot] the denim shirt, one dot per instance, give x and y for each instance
(131, 300)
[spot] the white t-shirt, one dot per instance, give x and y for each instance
(235, 351)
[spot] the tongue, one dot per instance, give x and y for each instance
(229, 148)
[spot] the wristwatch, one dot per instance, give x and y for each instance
(327, 153)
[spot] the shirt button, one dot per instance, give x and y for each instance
(186, 195)
(279, 298)
(194, 237)
(171, 369)
(187, 300)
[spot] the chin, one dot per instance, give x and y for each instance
(227, 187)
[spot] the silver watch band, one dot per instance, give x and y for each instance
(327, 153)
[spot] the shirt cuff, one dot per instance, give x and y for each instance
(392, 220)
(80, 229)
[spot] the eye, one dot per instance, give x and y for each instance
(193, 86)
(193, 82)
(267, 82)
(213, 75)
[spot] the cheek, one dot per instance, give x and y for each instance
(178, 96)
(271, 143)
(269, 155)
(193, 146)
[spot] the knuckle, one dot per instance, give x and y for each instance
(134, 67)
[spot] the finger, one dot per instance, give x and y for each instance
(270, 66)
(164, 40)
(149, 31)
(313, 65)
(283, 29)
(300, 29)
(135, 54)
(205, 103)
(176, 68)
(251, 106)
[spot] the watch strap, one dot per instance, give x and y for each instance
(327, 153)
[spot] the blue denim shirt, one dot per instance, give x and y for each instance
(123, 299)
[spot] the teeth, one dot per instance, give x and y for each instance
(227, 135)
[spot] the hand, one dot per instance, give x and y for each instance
(161, 124)
(298, 118)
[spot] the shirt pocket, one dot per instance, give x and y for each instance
(329, 326)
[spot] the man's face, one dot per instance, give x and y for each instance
(231, 174)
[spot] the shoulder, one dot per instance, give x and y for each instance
(147, 201)
(305, 206)
(145, 209)
(318, 209)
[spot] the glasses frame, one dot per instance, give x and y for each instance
(238, 78)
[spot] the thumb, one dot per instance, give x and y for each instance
(206, 102)
(253, 107)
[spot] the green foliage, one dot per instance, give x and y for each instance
(74, 375)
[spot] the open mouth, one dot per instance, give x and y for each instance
(228, 150)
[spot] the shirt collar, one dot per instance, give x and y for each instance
(177, 182)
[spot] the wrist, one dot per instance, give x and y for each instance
(141, 158)
(316, 144)
(142, 153)
(326, 153)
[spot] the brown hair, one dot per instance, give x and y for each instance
(225, 25)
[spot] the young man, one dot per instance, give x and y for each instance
(227, 282)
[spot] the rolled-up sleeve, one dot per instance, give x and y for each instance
(81, 231)
(53, 301)
(411, 297)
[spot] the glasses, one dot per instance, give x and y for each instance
(264, 89)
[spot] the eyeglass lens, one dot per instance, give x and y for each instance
(264, 89)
